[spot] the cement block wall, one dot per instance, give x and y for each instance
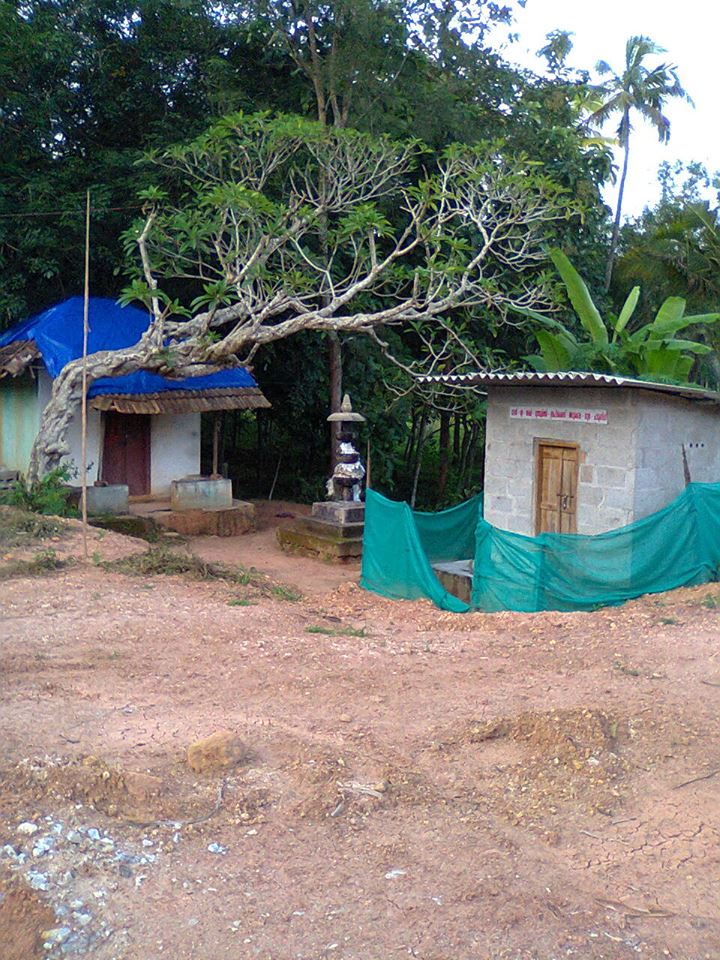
(607, 454)
(665, 425)
(629, 467)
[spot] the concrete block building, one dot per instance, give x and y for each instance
(586, 453)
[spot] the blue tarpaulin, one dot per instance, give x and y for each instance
(58, 333)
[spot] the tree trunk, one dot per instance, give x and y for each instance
(418, 456)
(335, 369)
(616, 225)
(51, 445)
(457, 422)
(410, 444)
(444, 454)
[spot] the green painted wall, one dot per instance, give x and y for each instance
(19, 421)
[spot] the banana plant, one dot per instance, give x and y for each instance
(652, 351)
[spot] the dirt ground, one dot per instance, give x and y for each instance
(416, 784)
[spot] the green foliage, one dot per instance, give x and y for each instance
(50, 495)
(85, 89)
(638, 89)
(651, 351)
(43, 561)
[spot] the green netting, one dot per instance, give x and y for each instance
(677, 546)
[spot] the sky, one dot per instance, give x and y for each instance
(689, 31)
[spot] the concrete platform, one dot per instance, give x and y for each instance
(456, 577)
(317, 538)
(229, 521)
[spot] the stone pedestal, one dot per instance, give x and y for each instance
(111, 500)
(332, 532)
(201, 493)
(231, 521)
(456, 577)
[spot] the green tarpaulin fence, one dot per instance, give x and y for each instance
(677, 546)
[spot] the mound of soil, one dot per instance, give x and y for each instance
(23, 918)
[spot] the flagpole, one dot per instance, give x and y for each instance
(83, 415)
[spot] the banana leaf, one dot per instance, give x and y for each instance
(627, 310)
(555, 352)
(580, 298)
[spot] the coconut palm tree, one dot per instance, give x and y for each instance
(638, 89)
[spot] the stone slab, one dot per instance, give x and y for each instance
(298, 539)
(201, 493)
(332, 531)
(336, 511)
(456, 578)
(215, 522)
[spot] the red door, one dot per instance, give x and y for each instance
(126, 451)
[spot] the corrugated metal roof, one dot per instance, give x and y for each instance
(570, 378)
(183, 401)
(16, 356)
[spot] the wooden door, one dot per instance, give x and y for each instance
(556, 487)
(126, 451)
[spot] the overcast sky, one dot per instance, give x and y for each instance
(689, 31)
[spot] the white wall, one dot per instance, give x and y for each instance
(175, 450)
(174, 443)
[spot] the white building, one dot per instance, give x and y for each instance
(143, 429)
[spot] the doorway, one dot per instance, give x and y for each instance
(556, 480)
(126, 451)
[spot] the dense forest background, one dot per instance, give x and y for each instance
(86, 88)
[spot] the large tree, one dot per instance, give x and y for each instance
(638, 89)
(390, 66)
(262, 228)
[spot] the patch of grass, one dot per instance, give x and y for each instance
(44, 561)
(163, 561)
(288, 594)
(710, 602)
(20, 527)
(628, 671)
(669, 621)
(143, 528)
(50, 495)
(337, 631)
(240, 602)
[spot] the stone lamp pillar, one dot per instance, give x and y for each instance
(334, 529)
(346, 483)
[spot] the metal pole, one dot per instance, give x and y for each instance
(83, 414)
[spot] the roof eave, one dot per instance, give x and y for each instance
(571, 378)
(183, 401)
(16, 357)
